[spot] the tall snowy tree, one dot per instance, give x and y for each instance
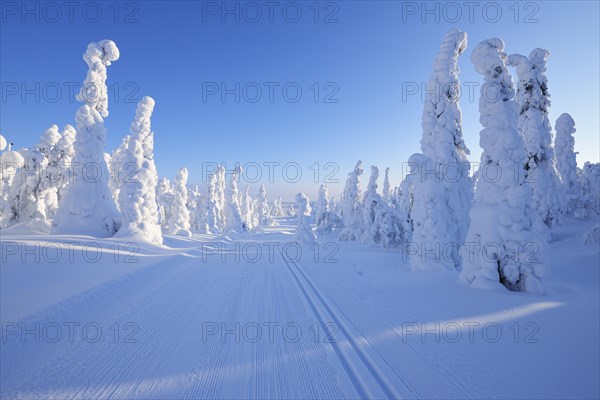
(433, 244)
(179, 220)
(590, 188)
(233, 214)
(198, 211)
(59, 165)
(371, 203)
(566, 159)
(212, 206)
(220, 195)
(10, 163)
(322, 205)
(249, 214)
(88, 206)
(263, 209)
(32, 194)
(502, 244)
(327, 218)
(442, 139)
(387, 191)
(352, 216)
(119, 168)
(164, 199)
(137, 193)
(533, 101)
(304, 232)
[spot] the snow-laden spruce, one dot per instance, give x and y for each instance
(32, 194)
(248, 207)
(198, 210)
(501, 244)
(179, 220)
(10, 163)
(59, 165)
(566, 157)
(263, 209)
(88, 206)
(212, 206)
(220, 195)
(47, 191)
(387, 191)
(433, 244)
(304, 232)
(533, 100)
(164, 199)
(322, 205)
(443, 142)
(371, 203)
(119, 168)
(352, 216)
(233, 212)
(137, 193)
(277, 208)
(590, 188)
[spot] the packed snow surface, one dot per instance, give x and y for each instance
(202, 318)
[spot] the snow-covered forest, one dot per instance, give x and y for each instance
(527, 180)
(465, 279)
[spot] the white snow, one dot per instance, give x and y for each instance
(115, 284)
(370, 326)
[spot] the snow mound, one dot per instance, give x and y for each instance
(34, 226)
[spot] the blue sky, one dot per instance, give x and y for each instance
(351, 72)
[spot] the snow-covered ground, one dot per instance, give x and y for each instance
(246, 316)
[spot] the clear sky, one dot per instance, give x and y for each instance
(356, 63)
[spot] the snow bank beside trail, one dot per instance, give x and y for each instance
(38, 270)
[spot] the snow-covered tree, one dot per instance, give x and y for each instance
(22, 197)
(387, 191)
(566, 160)
(119, 168)
(47, 191)
(249, 213)
(88, 206)
(212, 206)
(233, 213)
(590, 188)
(10, 163)
(179, 220)
(198, 210)
(326, 217)
(263, 209)
(371, 203)
(59, 165)
(433, 244)
(164, 199)
(501, 244)
(137, 193)
(304, 232)
(442, 140)
(533, 101)
(352, 216)
(322, 205)
(278, 208)
(32, 193)
(220, 195)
